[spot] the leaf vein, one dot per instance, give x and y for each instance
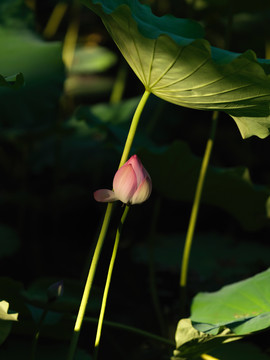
(216, 94)
(183, 78)
(138, 53)
(151, 62)
(172, 63)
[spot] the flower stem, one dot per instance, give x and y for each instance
(133, 127)
(89, 282)
(37, 332)
(134, 330)
(196, 204)
(108, 281)
(103, 232)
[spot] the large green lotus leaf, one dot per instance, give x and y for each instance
(187, 72)
(230, 189)
(244, 306)
(190, 342)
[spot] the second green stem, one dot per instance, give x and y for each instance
(196, 204)
(108, 280)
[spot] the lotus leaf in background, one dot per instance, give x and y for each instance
(218, 265)
(228, 189)
(225, 6)
(174, 63)
(86, 76)
(13, 81)
(35, 103)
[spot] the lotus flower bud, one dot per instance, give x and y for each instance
(55, 290)
(131, 184)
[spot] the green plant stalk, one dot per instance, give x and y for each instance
(37, 333)
(103, 232)
(55, 19)
(89, 282)
(196, 203)
(71, 36)
(108, 281)
(119, 84)
(133, 330)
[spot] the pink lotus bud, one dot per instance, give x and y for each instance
(131, 184)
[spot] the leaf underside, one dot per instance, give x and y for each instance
(191, 343)
(174, 63)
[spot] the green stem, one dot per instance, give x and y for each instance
(119, 84)
(103, 232)
(89, 282)
(108, 281)
(133, 330)
(196, 203)
(37, 333)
